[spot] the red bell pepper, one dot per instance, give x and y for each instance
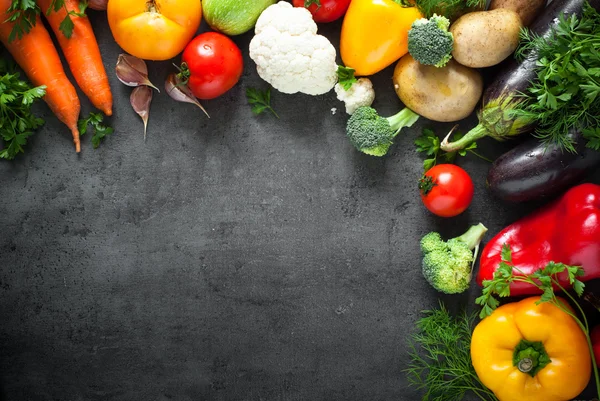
(566, 231)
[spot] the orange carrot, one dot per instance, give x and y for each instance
(82, 53)
(37, 56)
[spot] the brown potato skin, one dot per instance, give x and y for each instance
(485, 38)
(528, 10)
(439, 94)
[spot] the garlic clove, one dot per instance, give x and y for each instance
(180, 92)
(140, 100)
(132, 71)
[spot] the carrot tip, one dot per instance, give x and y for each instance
(76, 140)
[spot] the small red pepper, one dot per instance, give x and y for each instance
(566, 231)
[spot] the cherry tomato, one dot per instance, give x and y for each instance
(446, 190)
(153, 29)
(324, 10)
(215, 64)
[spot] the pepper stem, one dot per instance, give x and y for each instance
(530, 357)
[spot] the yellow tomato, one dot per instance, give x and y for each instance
(155, 29)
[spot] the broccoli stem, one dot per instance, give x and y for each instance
(473, 236)
(405, 118)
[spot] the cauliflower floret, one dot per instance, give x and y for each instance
(361, 93)
(289, 54)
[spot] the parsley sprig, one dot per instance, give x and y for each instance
(429, 143)
(24, 13)
(440, 358)
(546, 281)
(100, 130)
(17, 122)
(566, 94)
(260, 100)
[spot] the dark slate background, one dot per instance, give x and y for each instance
(236, 258)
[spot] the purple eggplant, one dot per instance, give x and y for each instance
(505, 91)
(535, 170)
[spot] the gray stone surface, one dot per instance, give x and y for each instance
(236, 258)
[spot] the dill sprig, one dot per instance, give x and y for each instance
(440, 358)
(566, 94)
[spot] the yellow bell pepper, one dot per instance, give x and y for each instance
(529, 352)
(375, 34)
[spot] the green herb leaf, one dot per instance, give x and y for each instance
(66, 26)
(440, 358)
(260, 101)
(593, 137)
(23, 13)
(567, 92)
(95, 120)
(346, 77)
(17, 122)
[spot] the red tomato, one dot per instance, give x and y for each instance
(446, 190)
(324, 10)
(215, 64)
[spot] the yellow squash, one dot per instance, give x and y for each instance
(529, 352)
(375, 34)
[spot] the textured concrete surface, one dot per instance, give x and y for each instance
(236, 258)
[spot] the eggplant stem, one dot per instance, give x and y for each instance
(476, 133)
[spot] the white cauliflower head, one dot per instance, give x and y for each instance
(361, 93)
(289, 54)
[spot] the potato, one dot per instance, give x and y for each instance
(439, 94)
(528, 10)
(485, 38)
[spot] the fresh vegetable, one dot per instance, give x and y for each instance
(565, 231)
(260, 101)
(212, 64)
(528, 10)
(133, 71)
(546, 321)
(429, 41)
(439, 94)
(429, 143)
(140, 100)
(179, 91)
(233, 17)
(446, 190)
(372, 134)
(80, 49)
(375, 34)
(353, 92)
(100, 130)
(154, 29)
(567, 91)
(451, 9)
(289, 54)
(448, 265)
(497, 116)
(534, 170)
(324, 10)
(17, 122)
(440, 358)
(485, 38)
(36, 55)
(532, 350)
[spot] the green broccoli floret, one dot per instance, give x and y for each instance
(448, 265)
(372, 134)
(429, 41)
